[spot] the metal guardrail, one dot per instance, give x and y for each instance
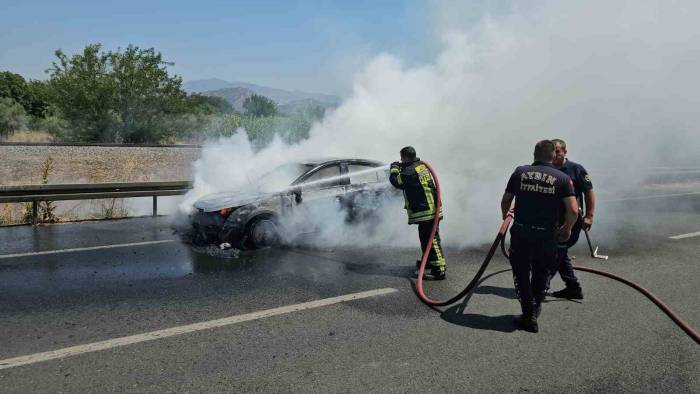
(90, 191)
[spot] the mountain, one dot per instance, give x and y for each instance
(236, 92)
(235, 96)
(203, 85)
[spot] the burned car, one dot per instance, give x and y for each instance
(254, 218)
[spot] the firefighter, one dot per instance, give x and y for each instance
(583, 189)
(539, 191)
(416, 182)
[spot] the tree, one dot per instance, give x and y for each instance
(32, 95)
(257, 106)
(13, 86)
(116, 96)
(12, 116)
(84, 95)
(38, 104)
(208, 105)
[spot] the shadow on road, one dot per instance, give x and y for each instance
(503, 323)
(505, 292)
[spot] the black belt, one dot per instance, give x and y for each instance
(531, 227)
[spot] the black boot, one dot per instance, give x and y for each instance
(431, 274)
(434, 274)
(527, 322)
(569, 292)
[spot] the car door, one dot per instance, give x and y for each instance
(324, 183)
(321, 191)
(366, 187)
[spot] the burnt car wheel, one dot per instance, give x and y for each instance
(262, 232)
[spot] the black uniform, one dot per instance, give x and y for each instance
(539, 190)
(582, 183)
(418, 187)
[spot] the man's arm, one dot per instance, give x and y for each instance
(589, 197)
(506, 202)
(570, 216)
(511, 189)
(585, 184)
(395, 176)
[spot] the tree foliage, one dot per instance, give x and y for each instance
(12, 116)
(116, 96)
(32, 95)
(129, 96)
(208, 105)
(256, 105)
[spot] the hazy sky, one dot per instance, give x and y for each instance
(306, 45)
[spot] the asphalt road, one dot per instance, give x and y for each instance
(614, 340)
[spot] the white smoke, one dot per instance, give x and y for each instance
(617, 80)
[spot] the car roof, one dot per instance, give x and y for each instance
(323, 160)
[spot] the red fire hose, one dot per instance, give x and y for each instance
(500, 239)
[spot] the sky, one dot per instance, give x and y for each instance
(305, 45)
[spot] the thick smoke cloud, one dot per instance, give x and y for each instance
(617, 80)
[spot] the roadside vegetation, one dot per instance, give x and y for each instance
(129, 96)
(131, 168)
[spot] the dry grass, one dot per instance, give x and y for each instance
(11, 214)
(28, 136)
(22, 165)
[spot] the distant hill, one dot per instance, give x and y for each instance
(235, 96)
(236, 93)
(203, 85)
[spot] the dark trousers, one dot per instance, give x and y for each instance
(566, 269)
(436, 259)
(532, 258)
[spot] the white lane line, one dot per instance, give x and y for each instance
(689, 235)
(45, 252)
(649, 197)
(169, 332)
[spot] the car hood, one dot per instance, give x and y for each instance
(218, 201)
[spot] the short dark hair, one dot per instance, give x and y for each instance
(560, 142)
(544, 151)
(408, 152)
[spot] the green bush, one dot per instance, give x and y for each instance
(12, 116)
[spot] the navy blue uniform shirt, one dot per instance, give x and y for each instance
(580, 177)
(539, 189)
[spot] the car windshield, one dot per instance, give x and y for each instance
(281, 177)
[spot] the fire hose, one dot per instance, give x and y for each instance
(500, 240)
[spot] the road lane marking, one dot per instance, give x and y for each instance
(173, 331)
(689, 235)
(45, 252)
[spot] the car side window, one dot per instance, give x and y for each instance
(315, 181)
(360, 174)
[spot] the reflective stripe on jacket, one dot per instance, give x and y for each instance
(418, 190)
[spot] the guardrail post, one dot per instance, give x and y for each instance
(155, 206)
(35, 212)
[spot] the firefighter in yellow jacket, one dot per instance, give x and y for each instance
(416, 182)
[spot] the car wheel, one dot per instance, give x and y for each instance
(262, 232)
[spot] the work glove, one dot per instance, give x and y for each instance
(396, 164)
